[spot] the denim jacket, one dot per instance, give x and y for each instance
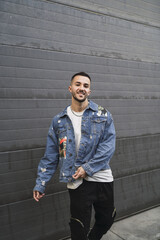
(97, 146)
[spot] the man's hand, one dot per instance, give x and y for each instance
(37, 195)
(80, 173)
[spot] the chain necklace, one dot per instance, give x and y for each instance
(76, 114)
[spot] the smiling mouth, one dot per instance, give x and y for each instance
(80, 96)
(81, 93)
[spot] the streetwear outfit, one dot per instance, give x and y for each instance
(85, 139)
(100, 176)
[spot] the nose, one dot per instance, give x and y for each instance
(81, 88)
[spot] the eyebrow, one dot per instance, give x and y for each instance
(83, 83)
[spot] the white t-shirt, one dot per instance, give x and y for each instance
(76, 118)
(101, 176)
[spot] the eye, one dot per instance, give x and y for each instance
(77, 83)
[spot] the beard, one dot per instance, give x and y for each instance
(79, 100)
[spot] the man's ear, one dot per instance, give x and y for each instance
(70, 88)
(89, 92)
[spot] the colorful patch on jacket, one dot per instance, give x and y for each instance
(62, 147)
(102, 111)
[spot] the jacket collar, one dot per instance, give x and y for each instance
(93, 106)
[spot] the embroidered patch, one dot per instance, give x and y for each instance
(62, 147)
(102, 111)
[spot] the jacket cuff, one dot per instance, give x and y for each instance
(39, 188)
(87, 169)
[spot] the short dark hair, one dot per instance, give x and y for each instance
(81, 74)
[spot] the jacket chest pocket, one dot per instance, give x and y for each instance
(98, 125)
(61, 131)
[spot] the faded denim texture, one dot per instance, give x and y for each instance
(96, 147)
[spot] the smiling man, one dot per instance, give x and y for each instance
(81, 139)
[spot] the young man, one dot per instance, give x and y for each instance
(81, 140)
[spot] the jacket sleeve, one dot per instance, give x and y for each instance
(48, 164)
(105, 149)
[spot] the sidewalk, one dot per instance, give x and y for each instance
(142, 226)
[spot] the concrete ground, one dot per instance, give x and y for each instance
(142, 226)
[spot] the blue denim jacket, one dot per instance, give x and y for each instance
(97, 146)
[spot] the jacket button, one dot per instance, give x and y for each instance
(70, 154)
(70, 140)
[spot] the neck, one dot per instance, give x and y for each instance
(79, 106)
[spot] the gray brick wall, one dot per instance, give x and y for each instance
(42, 44)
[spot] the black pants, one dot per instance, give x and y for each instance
(88, 194)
